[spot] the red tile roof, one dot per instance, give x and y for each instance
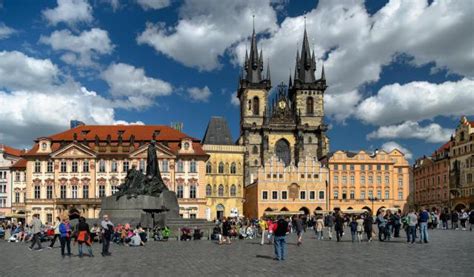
(11, 151)
(20, 164)
(443, 148)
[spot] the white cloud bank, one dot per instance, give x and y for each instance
(433, 132)
(70, 12)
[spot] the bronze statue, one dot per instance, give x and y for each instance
(136, 183)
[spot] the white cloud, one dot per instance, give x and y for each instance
(433, 132)
(122, 122)
(234, 100)
(132, 83)
(5, 31)
(417, 101)
(115, 4)
(69, 12)
(341, 106)
(391, 145)
(199, 94)
(153, 4)
(81, 49)
(206, 29)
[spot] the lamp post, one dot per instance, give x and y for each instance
(373, 199)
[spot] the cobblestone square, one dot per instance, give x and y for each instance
(449, 253)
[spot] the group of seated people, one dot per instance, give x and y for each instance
(162, 234)
(126, 235)
(191, 234)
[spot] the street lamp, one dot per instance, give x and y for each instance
(373, 199)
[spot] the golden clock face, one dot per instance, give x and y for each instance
(282, 104)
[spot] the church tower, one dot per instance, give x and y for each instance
(307, 95)
(253, 93)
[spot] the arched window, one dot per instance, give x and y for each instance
(192, 191)
(192, 166)
(309, 105)
(310, 140)
(255, 162)
(233, 168)
(208, 167)
(208, 190)
(101, 166)
(221, 167)
(233, 190)
(179, 192)
(221, 191)
(282, 149)
(180, 166)
(255, 149)
(256, 106)
(114, 166)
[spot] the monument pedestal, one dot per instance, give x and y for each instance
(137, 209)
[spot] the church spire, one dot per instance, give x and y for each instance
(268, 70)
(306, 64)
(323, 76)
(254, 62)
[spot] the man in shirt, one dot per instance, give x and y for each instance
(280, 238)
(36, 231)
(107, 231)
(424, 216)
(412, 219)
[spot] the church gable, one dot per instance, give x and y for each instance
(74, 151)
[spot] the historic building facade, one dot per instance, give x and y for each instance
(283, 136)
(18, 171)
(368, 180)
(462, 166)
(431, 179)
(8, 157)
(224, 171)
(78, 167)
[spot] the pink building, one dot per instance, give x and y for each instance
(8, 156)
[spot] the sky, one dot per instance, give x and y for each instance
(400, 73)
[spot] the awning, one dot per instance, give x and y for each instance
(15, 215)
(282, 213)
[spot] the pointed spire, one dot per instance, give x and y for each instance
(323, 76)
(306, 64)
(254, 60)
(290, 83)
(268, 69)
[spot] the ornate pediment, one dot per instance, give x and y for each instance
(162, 152)
(74, 151)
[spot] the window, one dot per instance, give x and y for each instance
(63, 192)
(387, 194)
(221, 167)
(233, 168)
(344, 180)
(371, 194)
(3, 202)
(102, 166)
(352, 180)
(256, 106)
(362, 167)
(379, 167)
(49, 192)
(125, 166)
(386, 167)
(468, 178)
(192, 216)
(220, 191)
(336, 167)
(192, 167)
(274, 195)
(85, 191)
(344, 167)
(400, 195)
(336, 180)
(371, 180)
(309, 105)
(379, 180)
(49, 218)
(63, 168)
(362, 194)
(282, 151)
(74, 192)
(143, 166)
(352, 195)
(344, 194)
(17, 197)
(180, 191)
(101, 191)
(264, 195)
(303, 195)
(165, 166)
(208, 167)
(362, 180)
(74, 166)
(400, 170)
(379, 194)
(336, 194)
(3, 187)
(114, 189)
(17, 176)
(114, 166)
(37, 192)
(312, 195)
(400, 182)
(321, 194)
(192, 191)
(208, 190)
(284, 195)
(49, 167)
(351, 167)
(180, 166)
(85, 166)
(387, 180)
(233, 190)
(37, 166)
(370, 167)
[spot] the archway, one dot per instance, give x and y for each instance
(283, 152)
(459, 207)
(367, 209)
(350, 208)
(269, 209)
(284, 209)
(220, 211)
(305, 210)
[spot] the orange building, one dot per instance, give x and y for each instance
(368, 181)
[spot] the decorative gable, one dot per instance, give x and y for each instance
(74, 151)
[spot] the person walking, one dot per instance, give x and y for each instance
(381, 224)
(339, 225)
(368, 223)
(423, 219)
(329, 223)
(264, 228)
(454, 220)
(319, 228)
(83, 237)
(55, 227)
(360, 228)
(36, 231)
(412, 221)
(282, 228)
(353, 225)
(397, 224)
(107, 231)
(226, 228)
(65, 237)
(299, 229)
(463, 218)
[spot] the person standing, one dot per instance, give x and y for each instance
(36, 232)
(264, 228)
(299, 229)
(397, 224)
(55, 227)
(454, 220)
(381, 224)
(65, 236)
(353, 225)
(83, 237)
(107, 231)
(368, 223)
(463, 218)
(360, 228)
(412, 221)
(280, 238)
(226, 228)
(319, 228)
(339, 225)
(329, 223)
(424, 216)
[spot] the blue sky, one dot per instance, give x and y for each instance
(400, 73)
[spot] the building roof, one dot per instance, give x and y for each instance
(217, 132)
(19, 165)
(11, 151)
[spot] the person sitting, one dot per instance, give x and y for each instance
(165, 233)
(216, 233)
(251, 232)
(185, 234)
(197, 235)
(135, 239)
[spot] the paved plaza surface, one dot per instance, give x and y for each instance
(449, 253)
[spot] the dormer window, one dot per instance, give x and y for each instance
(43, 146)
(186, 145)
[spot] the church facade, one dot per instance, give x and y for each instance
(285, 128)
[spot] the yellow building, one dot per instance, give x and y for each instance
(355, 178)
(76, 168)
(224, 171)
